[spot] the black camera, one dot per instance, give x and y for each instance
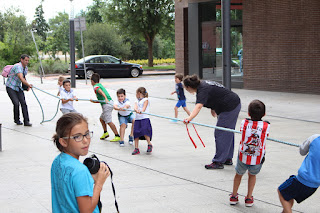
(92, 163)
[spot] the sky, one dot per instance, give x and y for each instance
(50, 7)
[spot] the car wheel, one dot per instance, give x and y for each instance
(89, 73)
(134, 72)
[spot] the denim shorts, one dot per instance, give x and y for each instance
(181, 103)
(126, 119)
(241, 168)
(292, 188)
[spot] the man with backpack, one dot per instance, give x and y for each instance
(14, 89)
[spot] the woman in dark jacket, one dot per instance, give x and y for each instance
(225, 105)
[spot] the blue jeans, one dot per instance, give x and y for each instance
(17, 98)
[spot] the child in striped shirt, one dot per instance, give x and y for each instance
(251, 150)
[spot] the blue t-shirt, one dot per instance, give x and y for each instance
(69, 179)
(309, 172)
(180, 92)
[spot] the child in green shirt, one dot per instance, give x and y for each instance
(107, 107)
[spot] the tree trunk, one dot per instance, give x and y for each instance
(150, 52)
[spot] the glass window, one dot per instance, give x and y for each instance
(211, 38)
(114, 60)
(94, 60)
(105, 59)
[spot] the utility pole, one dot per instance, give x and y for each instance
(226, 45)
(72, 48)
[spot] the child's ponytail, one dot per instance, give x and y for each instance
(55, 139)
(143, 91)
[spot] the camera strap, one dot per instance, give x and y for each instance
(113, 189)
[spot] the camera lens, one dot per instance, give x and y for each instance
(92, 164)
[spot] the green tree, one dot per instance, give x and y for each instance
(16, 37)
(40, 25)
(58, 39)
(146, 18)
(94, 12)
(1, 27)
(102, 38)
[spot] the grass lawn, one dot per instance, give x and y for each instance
(166, 67)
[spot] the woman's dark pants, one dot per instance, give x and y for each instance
(224, 139)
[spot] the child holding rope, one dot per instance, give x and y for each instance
(125, 116)
(300, 187)
(107, 107)
(67, 97)
(73, 188)
(252, 150)
(182, 98)
(142, 126)
(60, 84)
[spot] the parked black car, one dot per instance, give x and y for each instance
(107, 66)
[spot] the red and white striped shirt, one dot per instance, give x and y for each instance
(252, 145)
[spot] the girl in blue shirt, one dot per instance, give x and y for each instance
(73, 188)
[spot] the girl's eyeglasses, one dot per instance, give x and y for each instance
(79, 137)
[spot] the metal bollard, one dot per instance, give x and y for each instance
(0, 139)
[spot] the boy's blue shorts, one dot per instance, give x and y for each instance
(292, 188)
(181, 103)
(126, 119)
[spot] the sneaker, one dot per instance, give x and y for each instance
(173, 121)
(136, 151)
(104, 135)
(248, 201)
(149, 148)
(116, 139)
(130, 139)
(228, 162)
(121, 143)
(214, 165)
(233, 199)
(18, 122)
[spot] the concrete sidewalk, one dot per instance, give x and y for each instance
(171, 179)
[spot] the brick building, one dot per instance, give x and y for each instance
(280, 42)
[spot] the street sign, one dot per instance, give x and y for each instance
(80, 24)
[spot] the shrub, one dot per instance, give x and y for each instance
(50, 67)
(155, 61)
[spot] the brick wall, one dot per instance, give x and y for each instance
(281, 42)
(181, 62)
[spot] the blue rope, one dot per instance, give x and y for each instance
(42, 108)
(79, 99)
(159, 116)
(215, 127)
